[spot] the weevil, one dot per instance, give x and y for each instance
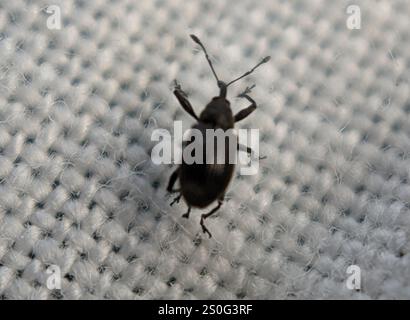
(202, 184)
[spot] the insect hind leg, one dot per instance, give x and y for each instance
(207, 215)
(186, 215)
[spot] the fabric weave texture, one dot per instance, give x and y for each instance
(78, 189)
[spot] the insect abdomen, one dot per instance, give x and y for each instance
(203, 183)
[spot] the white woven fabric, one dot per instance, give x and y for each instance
(78, 189)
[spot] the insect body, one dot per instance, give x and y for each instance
(201, 183)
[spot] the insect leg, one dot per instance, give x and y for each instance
(186, 215)
(247, 111)
(176, 200)
(204, 216)
(241, 147)
(183, 100)
(172, 180)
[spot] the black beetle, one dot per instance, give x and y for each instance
(202, 184)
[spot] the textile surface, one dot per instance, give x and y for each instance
(79, 192)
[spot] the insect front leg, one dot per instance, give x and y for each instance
(247, 111)
(183, 100)
(204, 216)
